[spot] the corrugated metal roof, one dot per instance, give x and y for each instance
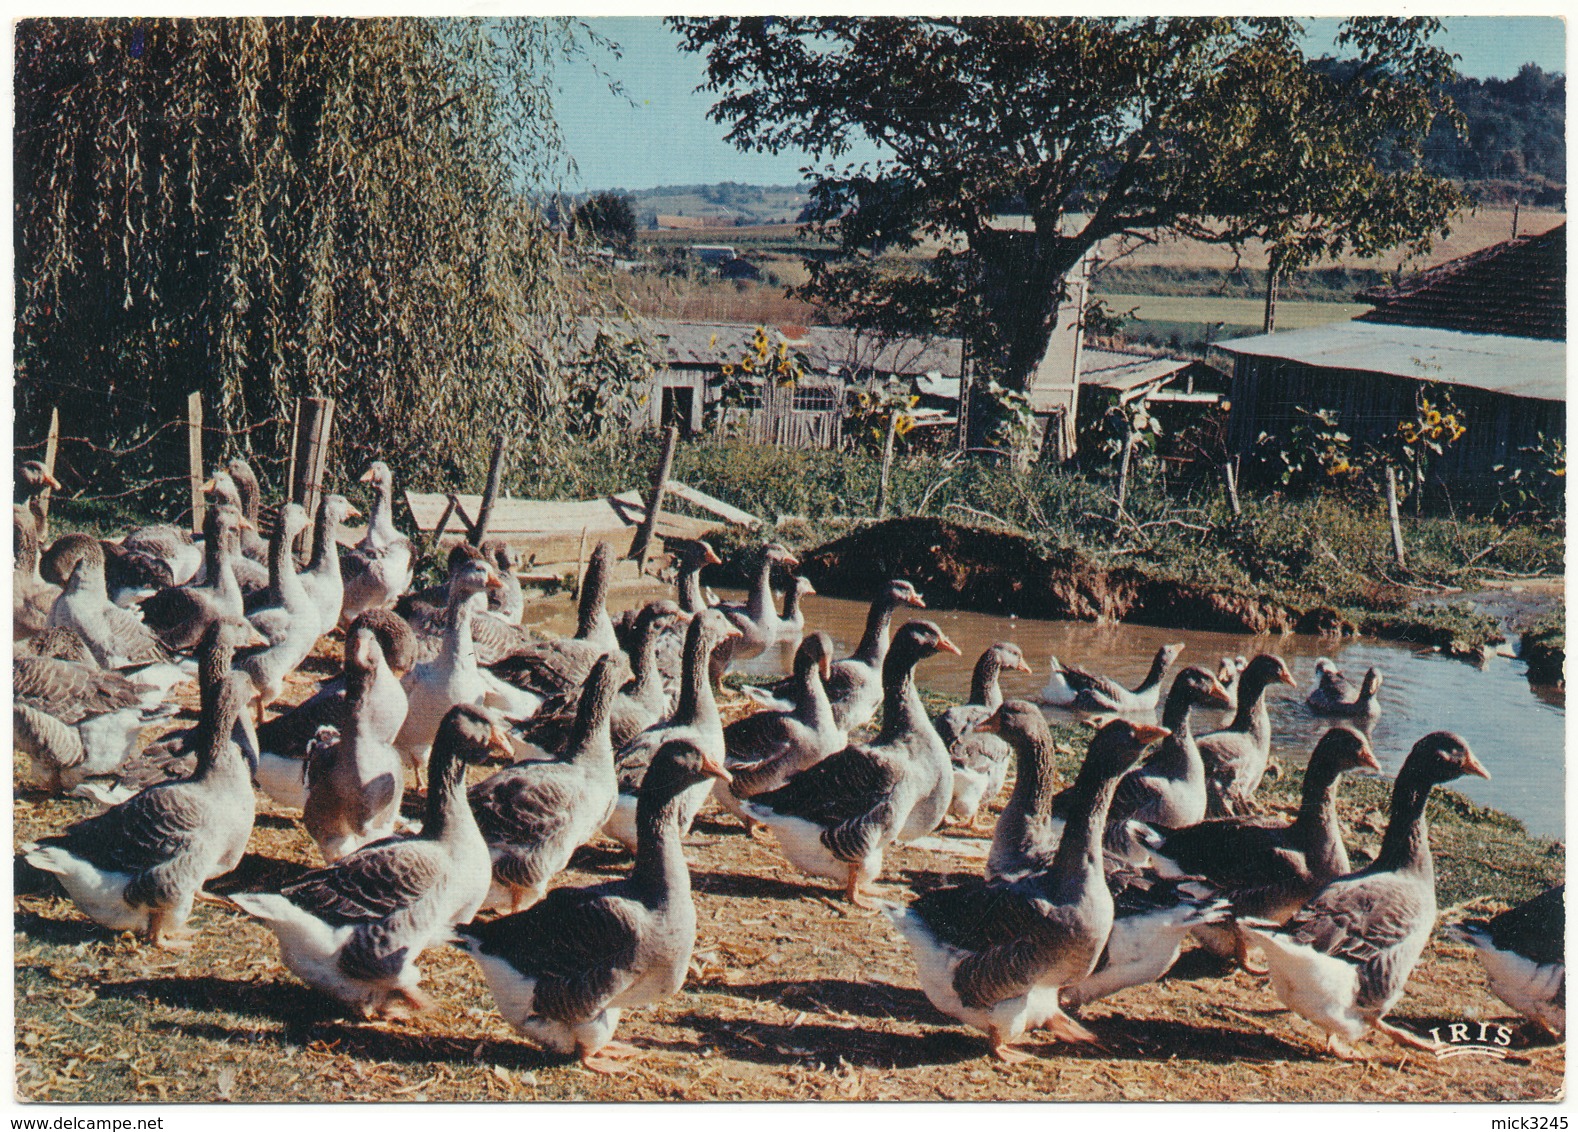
(1518, 367)
(1111, 369)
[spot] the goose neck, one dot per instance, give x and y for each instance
(690, 600)
(696, 702)
(1154, 676)
(1079, 853)
(381, 521)
(459, 649)
(902, 710)
(984, 687)
(660, 874)
(1316, 829)
(1406, 844)
(874, 643)
(447, 813)
(761, 599)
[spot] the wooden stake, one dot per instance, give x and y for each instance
(194, 456)
(1230, 479)
(310, 454)
(580, 565)
(643, 539)
(443, 521)
(887, 463)
(490, 492)
(1123, 468)
(51, 446)
(1391, 515)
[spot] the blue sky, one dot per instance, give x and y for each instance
(667, 139)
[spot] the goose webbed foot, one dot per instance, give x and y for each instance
(166, 937)
(1339, 1048)
(1402, 1037)
(403, 1002)
(1241, 957)
(1064, 1029)
(1005, 1052)
(607, 1059)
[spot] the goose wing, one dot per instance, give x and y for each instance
(955, 723)
(551, 667)
(843, 786)
(70, 692)
(173, 613)
(144, 831)
(1002, 929)
(132, 639)
(580, 945)
(1363, 919)
(1534, 929)
(1083, 680)
(370, 885)
(290, 733)
(525, 804)
(496, 639)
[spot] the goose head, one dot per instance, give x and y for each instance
(921, 639)
(697, 553)
(1167, 654)
(1343, 749)
(1019, 722)
(335, 509)
(1009, 657)
(379, 476)
(1267, 669)
(34, 478)
(1201, 688)
(395, 637)
(1440, 757)
(363, 653)
(61, 558)
(1371, 685)
(501, 554)
(1121, 745)
(467, 734)
(778, 553)
(816, 651)
(900, 592)
(678, 765)
(222, 486)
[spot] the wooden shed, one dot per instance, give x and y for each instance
(1491, 326)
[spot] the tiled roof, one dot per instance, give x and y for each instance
(1517, 288)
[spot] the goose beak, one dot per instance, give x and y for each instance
(1218, 694)
(53, 482)
(366, 477)
(712, 558)
(714, 769)
(917, 601)
(209, 487)
(499, 743)
(1367, 758)
(1024, 666)
(1148, 733)
(991, 725)
(245, 524)
(1287, 678)
(1471, 765)
(808, 587)
(825, 665)
(254, 639)
(945, 645)
(790, 562)
(734, 631)
(494, 582)
(352, 513)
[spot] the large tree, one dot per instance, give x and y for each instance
(1220, 129)
(267, 208)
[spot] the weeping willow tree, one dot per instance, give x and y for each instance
(263, 209)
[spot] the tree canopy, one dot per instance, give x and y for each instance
(610, 218)
(1215, 128)
(267, 208)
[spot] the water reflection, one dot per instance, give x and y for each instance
(1516, 730)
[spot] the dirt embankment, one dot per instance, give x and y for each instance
(991, 571)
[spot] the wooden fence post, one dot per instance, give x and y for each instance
(194, 456)
(1123, 468)
(887, 463)
(1230, 479)
(643, 539)
(51, 447)
(310, 455)
(490, 491)
(1391, 516)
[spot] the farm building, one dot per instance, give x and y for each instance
(689, 360)
(1492, 326)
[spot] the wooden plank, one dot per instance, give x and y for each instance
(490, 492)
(717, 507)
(194, 456)
(51, 447)
(654, 503)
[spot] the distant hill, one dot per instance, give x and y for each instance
(725, 204)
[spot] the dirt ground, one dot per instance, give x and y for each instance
(793, 995)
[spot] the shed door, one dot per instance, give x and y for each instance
(679, 403)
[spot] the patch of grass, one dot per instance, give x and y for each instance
(1544, 646)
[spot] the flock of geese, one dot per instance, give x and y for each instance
(616, 732)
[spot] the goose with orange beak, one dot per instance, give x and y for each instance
(1343, 960)
(837, 818)
(996, 954)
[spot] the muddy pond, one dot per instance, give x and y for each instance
(1517, 730)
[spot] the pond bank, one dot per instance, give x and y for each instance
(995, 570)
